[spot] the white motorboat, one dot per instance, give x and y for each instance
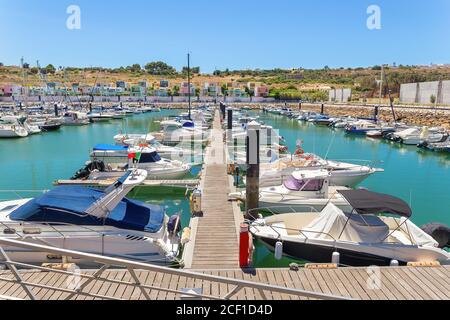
(341, 173)
(361, 127)
(147, 158)
(92, 221)
(166, 152)
(75, 118)
(375, 230)
(173, 133)
(303, 189)
(12, 127)
(31, 128)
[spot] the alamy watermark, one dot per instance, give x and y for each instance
(73, 22)
(73, 282)
(374, 281)
(374, 19)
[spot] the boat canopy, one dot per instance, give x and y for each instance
(368, 202)
(109, 147)
(68, 205)
(335, 224)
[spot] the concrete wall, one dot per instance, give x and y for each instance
(339, 95)
(422, 92)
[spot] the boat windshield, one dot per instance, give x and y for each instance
(68, 205)
(304, 185)
(149, 157)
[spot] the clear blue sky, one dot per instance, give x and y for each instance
(231, 34)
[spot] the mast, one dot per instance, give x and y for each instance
(390, 99)
(189, 85)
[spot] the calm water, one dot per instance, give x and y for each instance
(420, 178)
(33, 163)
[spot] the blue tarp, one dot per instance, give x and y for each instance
(109, 147)
(68, 205)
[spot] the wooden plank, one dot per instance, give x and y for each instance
(429, 280)
(421, 285)
(402, 283)
(364, 275)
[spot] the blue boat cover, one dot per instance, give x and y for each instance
(68, 205)
(188, 124)
(109, 147)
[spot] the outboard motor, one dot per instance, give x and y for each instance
(439, 232)
(85, 172)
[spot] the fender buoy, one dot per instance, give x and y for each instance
(299, 152)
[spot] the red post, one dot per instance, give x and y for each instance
(244, 246)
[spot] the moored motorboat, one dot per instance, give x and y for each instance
(375, 230)
(91, 221)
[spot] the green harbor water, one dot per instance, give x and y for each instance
(35, 162)
(420, 178)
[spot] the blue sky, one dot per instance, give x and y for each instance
(235, 34)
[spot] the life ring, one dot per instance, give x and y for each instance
(143, 145)
(299, 152)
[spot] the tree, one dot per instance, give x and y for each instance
(194, 70)
(134, 68)
(1, 64)
(176, 91)
(159, 68)
(217, 72)
(249, 91)
(26, 65)
(197, 92)
(224, 90)
(50, 69)
(433, 98)
(34, 70)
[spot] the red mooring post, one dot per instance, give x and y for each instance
(244, 246)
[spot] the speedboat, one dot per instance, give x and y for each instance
(12, 127)
(166, 152)
(438, 146)
(303, 189)
(74, 118)
(341, 173)
(120, 158)
(173, 133)
(361, 127)
(375, 230)
(92, 221)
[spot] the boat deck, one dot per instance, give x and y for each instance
(399, 283)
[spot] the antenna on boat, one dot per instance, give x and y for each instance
(189, 83)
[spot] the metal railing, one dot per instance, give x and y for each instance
(131, 267)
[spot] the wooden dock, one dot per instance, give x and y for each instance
(398, 283)
(214, 243)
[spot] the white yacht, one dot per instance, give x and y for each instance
(12, 127)
(374, 230)
(75, 118)
(341, 173)
(303, 189)
(173, 133)
(119, 158)
(91, 221)
(166, 152)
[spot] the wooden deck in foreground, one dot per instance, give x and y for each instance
(401, 283)
(216, 240)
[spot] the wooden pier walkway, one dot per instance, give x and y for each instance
(397, 283)
(146, 183)
(215, 238)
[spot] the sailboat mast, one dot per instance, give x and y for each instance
(189, 85)
(390, 99)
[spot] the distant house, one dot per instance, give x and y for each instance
(11, 89)
(121, 84)
(143, 84)
(261, 91)
(236, 92)
(184, 89)
(164, 83)
(211, 89)
(138, 90)
(161, 92)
